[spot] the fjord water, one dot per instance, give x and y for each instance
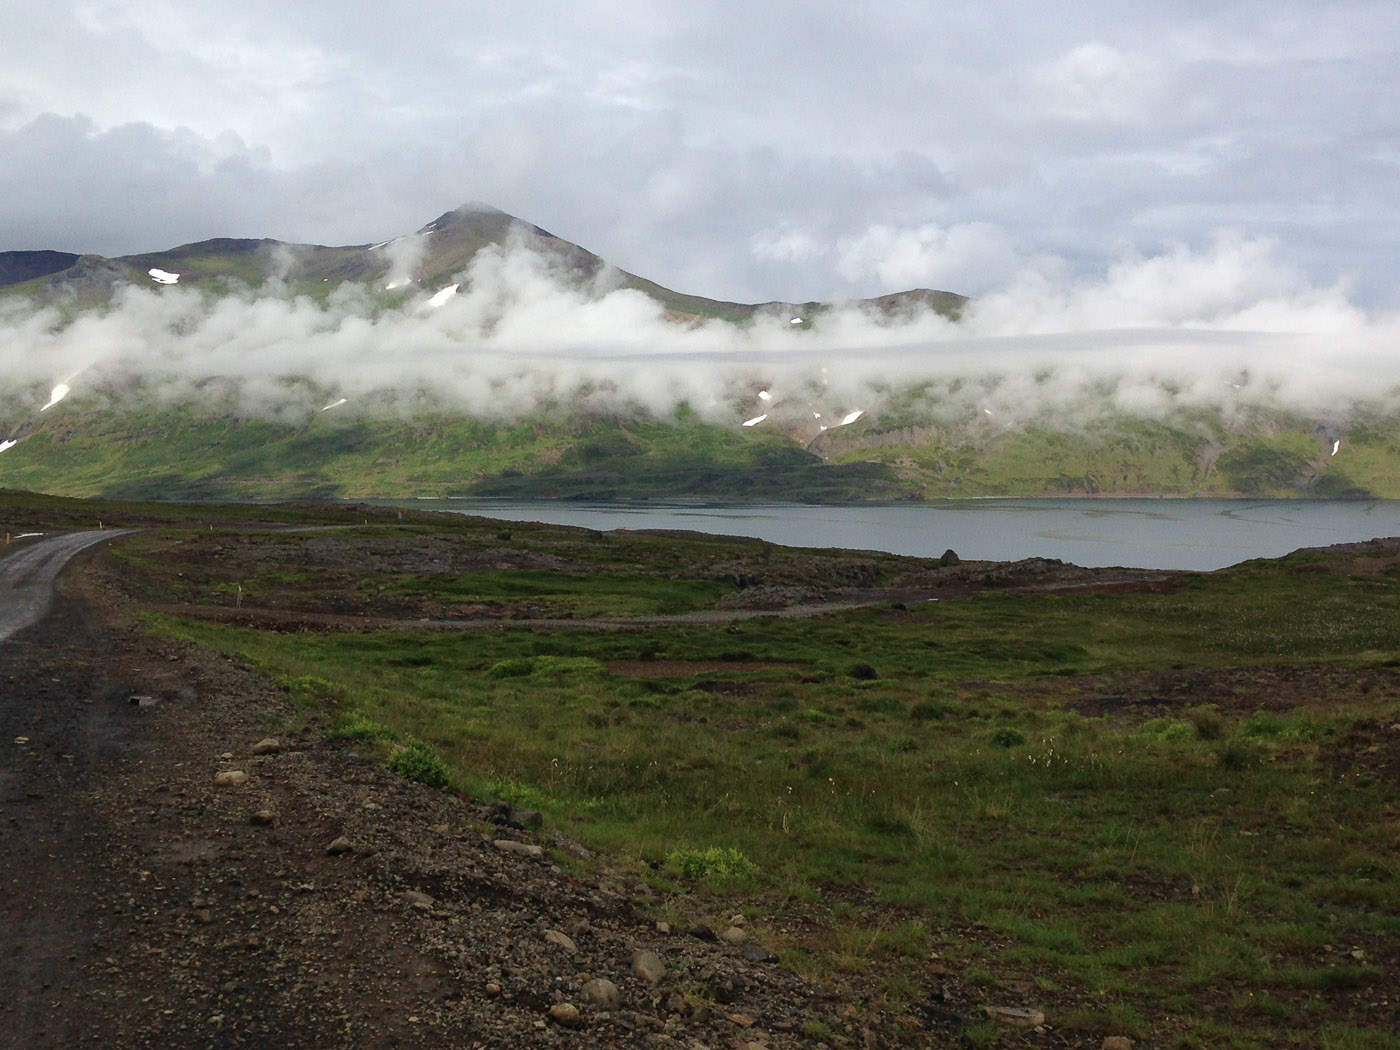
(1142, 533)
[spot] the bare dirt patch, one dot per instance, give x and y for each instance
(1237, 691)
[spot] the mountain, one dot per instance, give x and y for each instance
(199, 401)
(431, 257)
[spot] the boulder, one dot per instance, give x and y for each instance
(648, 966)
(603, 994)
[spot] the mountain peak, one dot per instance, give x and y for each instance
(472, 213)
(471, 207)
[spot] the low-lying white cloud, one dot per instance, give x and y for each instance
(1225, 327)
(928, 256)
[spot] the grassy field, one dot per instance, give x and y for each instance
(1169, 814)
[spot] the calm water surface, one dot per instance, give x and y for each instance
(1147, 534)
(1144, 533)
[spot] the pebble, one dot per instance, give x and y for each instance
(419, 900)
(339, 846)
(648, 966)
(263, 818)
(602, 993)
(230, 777)
(734, 935)
(742, 1020)
(524, 849)
(566, 1014)
(267, 746)
(1019, 1016)
(562, 940)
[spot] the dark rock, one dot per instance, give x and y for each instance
(935, 1015)
(503, 814)
(758, 954)
(724, 991)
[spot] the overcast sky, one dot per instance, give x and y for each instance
(738, 150)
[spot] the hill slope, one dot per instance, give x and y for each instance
(78, 449)
(211, 370)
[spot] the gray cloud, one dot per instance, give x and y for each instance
(740, 152)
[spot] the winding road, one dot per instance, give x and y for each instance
(27, 576)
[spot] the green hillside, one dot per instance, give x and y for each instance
(81, 449)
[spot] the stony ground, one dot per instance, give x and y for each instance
(180, 870)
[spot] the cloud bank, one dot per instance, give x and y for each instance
(1227, 327)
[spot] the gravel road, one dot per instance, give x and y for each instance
(27, 575)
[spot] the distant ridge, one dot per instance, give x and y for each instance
(437, 253)
(18, 267)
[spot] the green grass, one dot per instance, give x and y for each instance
(572, 594)
(909, 773)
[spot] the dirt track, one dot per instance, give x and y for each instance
(65, 728)
(27, 575)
